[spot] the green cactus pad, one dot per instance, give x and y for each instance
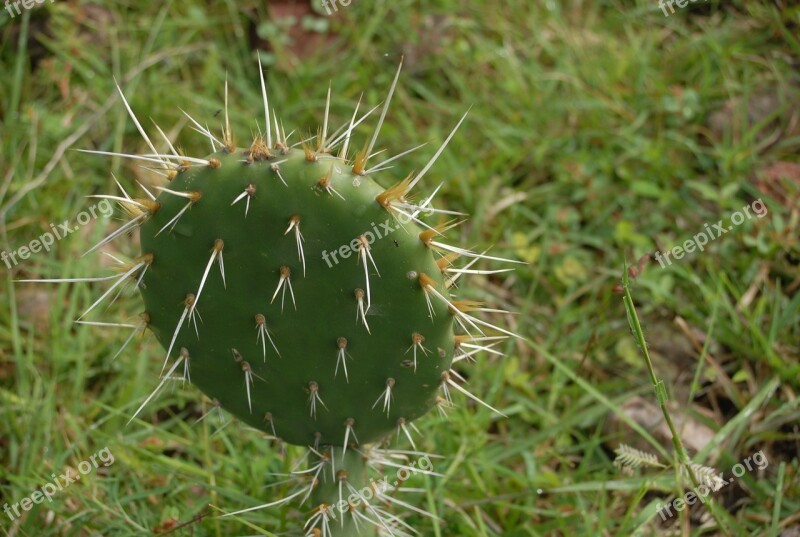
(314, 321)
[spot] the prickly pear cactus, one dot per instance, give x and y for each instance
(307, 300)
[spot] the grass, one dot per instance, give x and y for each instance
(594, 138)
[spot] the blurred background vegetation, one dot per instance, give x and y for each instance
(599, 132)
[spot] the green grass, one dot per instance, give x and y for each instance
(591, 142)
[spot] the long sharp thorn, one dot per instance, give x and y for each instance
(204, 131)
(116, 284)
(215, 253)
(187, 308)
(154, 392)
(343, 151)
(174, 220)
(266, 505)
(135, 121)
(324, 138)
(164, 136)
(383, 111)
(266, 103)
(349, 131)
(436, 155)
(130, 225)
(452, 383)
(381, 166)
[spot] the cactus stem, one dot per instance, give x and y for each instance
(248, 194)
(188, 310)
(386, 396)
(266, 102)
(341, 357)
(348, 430)
(263, 334)
(364, 252)
(416, 341)
(360, 311)
(284, 282)
(314, 398)
(294, 223)
(216, 253)
(157, 388)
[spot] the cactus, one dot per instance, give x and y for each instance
(307, 300)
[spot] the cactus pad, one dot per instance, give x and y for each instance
(281, 341)
(310, 298)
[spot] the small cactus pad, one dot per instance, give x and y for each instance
(300, 307)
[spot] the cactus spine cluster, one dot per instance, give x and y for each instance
(307, 300)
